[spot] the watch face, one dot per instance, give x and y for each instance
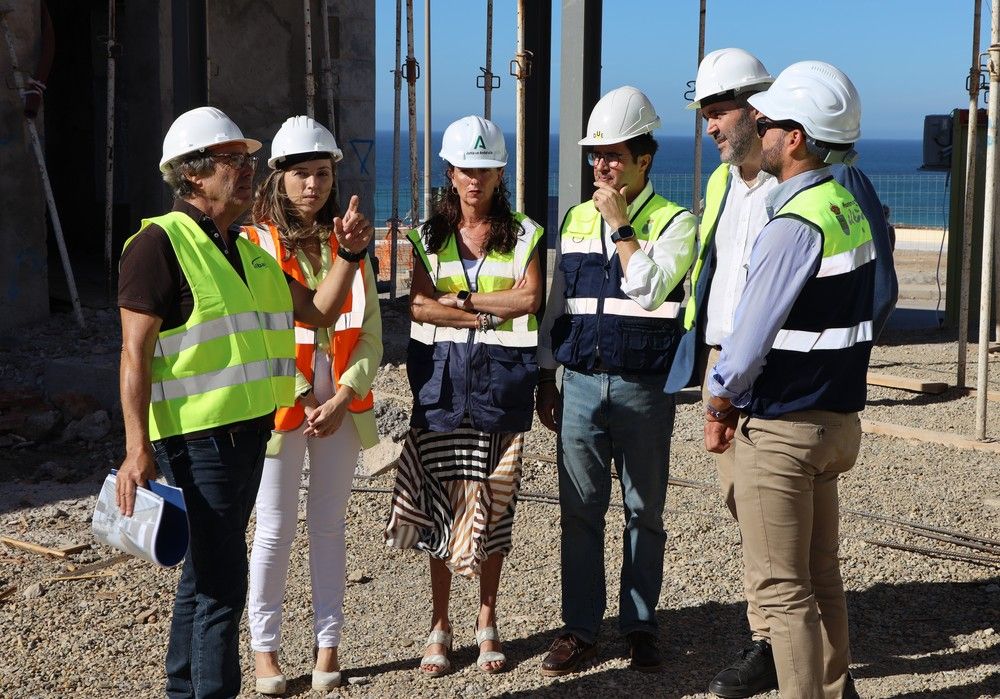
(462, 295)
(623, 233)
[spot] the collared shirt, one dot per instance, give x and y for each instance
(786, 254)
(653, 271)
(742, 218)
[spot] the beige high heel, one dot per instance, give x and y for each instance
(489, 633)
(439, 659)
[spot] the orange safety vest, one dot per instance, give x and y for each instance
(345, 333)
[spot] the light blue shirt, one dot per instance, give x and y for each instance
(787, 253)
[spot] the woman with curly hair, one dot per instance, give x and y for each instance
(472, 369)
(332, 417)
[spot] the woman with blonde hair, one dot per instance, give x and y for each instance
(472, 370)
(332, 418)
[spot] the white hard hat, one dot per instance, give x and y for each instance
(300, 135)
(474, 142)
(198, 129)
(725, 73)
(623, 113)
(818, 96)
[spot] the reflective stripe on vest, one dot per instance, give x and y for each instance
(715, 200)
(346, 331)
(819, 358)
(232, 359)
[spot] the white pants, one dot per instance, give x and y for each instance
(332, 461)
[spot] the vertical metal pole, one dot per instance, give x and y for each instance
(327, 67)
(519, 108)
(970, 199)
(427, 109)
(310, 79)
(488, 77)
(411, 96)
(109, 172)
(36, 147)
(696, 188)
(397, 85)
(989, 225)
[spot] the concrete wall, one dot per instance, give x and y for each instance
(257, 75)
(352, 48)
(24, 293)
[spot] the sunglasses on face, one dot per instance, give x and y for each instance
(763, 124)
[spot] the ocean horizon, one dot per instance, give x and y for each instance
(917, 198)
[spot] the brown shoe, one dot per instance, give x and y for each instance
(567, 655)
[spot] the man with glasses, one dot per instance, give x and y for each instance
(791, 378)
(612, 323)
(208, 354)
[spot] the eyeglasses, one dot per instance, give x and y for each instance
(612, 159)
(763, 124)
(236, 161)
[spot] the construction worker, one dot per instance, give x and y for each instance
(208, 355)
(790, 380)
(735, 211)
(612, 323)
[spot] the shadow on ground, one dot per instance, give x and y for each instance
(905, 629)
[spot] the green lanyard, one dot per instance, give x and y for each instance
(312, 281)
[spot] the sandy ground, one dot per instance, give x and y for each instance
(922, 624)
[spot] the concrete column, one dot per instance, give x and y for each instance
(579, 90)
(352, 52)
(24, 294)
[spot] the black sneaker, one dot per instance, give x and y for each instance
(752, 673)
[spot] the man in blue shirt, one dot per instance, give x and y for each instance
(790, 380)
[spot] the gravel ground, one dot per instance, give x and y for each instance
(921, 626)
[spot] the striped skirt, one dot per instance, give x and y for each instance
(455, 494)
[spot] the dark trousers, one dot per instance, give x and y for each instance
(220, 477)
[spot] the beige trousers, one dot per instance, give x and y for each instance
(785, 489)
(724, 465)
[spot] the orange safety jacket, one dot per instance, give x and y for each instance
(345, 334)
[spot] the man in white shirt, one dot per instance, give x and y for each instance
(734, 214)
(612, 322)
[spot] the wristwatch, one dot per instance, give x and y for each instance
(463, 295)
(623, 233)
(716, 414)
(346, 254)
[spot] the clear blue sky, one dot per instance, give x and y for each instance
(908, 58)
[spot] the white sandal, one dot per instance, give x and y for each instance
(441, 661)
(489, 633)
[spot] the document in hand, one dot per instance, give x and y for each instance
(157, 530)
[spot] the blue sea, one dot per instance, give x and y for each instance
(917, 198)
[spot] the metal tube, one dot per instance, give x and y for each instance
(397, 85)
(989, 225)
(50, 200)
(310, 79)
(109, 173)
(427, 109)
(970, 199)
(488, 77)
(411, 96)
(520, 95)
(696, 188)
(327, 68)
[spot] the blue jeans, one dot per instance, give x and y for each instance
(627, 418)
(219, 477)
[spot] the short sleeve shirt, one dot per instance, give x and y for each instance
(150, 279)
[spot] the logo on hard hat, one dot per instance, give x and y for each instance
(258, 263)
(480, 144)
(598, 134)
